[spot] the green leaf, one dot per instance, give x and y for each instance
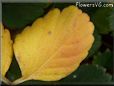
(62, 5)
(85, 73)
(89, 10)
(88, 73)
(104, 59)
(36, 82)
(96, 44)
(112, 34)
(102, 21)
(18, 15)
(112, 20)
(14, 71)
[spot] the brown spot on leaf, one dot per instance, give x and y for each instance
(49, 32)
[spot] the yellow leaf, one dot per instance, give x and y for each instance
(54, 46)
(7, 52)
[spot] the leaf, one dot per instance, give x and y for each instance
(12, 74)
(102, 21)
(18, 15)
(7, 53)
(104, 59)
(89, 10)
(54, 45)
(62, 5)
(112, 34)
(96, 44)
(37, 82)
(88, 73)
(112, 20)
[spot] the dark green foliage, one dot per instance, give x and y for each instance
(17, 16)
(101, 19)
(96, 44)
(104, 59)
(89, 73)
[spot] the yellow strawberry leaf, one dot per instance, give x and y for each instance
(7, 53)
(54, 46)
